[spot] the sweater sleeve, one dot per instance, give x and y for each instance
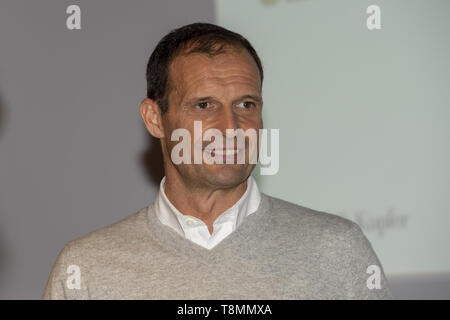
(66, 281)
(364, 272)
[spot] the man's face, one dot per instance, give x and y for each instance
(223, 92)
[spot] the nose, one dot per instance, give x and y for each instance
(228, 120)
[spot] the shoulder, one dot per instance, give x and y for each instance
(109, 240)
(303, 220)
(328, 235)
(338, 245)
(92, 256)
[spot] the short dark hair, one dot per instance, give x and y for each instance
(199, 37)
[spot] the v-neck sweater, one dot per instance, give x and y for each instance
(281, 251)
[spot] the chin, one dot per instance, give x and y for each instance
(227, 175)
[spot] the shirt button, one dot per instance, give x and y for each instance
(190, 222)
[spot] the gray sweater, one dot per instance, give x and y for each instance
(282, 251)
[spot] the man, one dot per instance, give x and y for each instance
(211, 234)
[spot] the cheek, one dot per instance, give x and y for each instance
(186, 137)
(169, 130)
(254, 122)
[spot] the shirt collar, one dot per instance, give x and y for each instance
(172, 217)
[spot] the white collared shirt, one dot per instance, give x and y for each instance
(194, 229)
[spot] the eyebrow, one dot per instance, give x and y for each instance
(243, 97)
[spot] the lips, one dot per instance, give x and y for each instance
(224, 152)
(232, 154)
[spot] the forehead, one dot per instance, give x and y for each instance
(198, 71)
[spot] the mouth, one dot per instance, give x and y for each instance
(221, 152)
(230, 154)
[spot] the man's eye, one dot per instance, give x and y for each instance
(246, 104)
(201, 105)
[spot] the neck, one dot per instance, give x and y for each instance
(204, 203)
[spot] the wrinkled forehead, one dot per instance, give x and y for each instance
(201, 69)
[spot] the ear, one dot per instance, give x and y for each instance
(151, 114)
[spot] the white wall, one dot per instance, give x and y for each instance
(364, 116)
